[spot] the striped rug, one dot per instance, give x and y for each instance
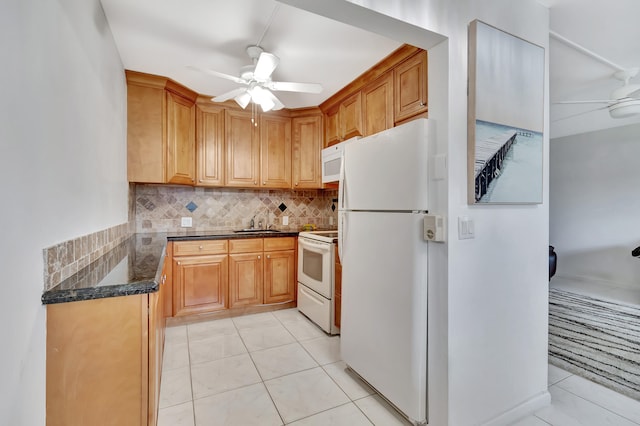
(596, 339)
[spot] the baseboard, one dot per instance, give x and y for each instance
(528, 407)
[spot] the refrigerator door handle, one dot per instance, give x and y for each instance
(341, 185)
(341, 229)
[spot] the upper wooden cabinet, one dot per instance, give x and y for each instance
(243, 150)
(410, 83)
(307, 147)
(391, 92)
(210, 148)
(377, 105)
(275, 151)
(160, 130)
(258, 156)
(344, 120)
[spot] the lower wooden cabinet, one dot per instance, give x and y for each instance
(245, 279)
(262, 271)
(242, 272)
(279, 276)
(200, 284)
(104, 359)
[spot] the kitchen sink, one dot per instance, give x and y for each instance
(257, 231)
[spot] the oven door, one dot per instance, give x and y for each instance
(315, 266)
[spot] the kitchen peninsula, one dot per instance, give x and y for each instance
(105, 324)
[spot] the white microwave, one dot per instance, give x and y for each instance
(332, 160)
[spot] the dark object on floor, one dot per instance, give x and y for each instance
(553, 261)
(636, 252)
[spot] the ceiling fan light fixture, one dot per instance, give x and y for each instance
(243, 99)
(625, 108)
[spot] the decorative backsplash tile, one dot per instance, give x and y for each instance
(159, 208)
(67, 258)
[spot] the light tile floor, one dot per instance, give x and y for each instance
(278, 368)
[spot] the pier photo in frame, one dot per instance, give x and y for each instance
(505, 117)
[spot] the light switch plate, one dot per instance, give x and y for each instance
(186, 222)
(285, 220)
(465, 228)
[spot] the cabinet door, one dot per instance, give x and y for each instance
(410, 91)
(200, 284)
(156, 333)
(146, 142)
(377, 105)
(279, 276)
(351, 116)
(181, 141)
(245, 279)
(275, 149)
(243, 150)
(307, 147)
(97, 359)
(332, 126)
(167, 287)
(210, 146)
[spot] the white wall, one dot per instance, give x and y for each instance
(594, 205)
(62, 166)
(494, 286)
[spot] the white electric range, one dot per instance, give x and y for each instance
(316, 278)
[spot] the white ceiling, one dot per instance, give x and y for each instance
(165, 37)
(609, 29)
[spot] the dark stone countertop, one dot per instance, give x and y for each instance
(133, 267)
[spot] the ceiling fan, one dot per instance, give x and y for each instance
(258, 86)
(620, 103)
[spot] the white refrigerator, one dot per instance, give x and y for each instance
(382, 202)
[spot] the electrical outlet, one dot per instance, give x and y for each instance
(330, 220)
(285, 220)
(186, 222)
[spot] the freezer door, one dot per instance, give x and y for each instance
(388, 170)
(384, 305)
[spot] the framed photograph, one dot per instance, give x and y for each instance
(505, 117)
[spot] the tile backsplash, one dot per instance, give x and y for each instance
(159, 208)
(65, 259)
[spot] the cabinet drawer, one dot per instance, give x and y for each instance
(187, 248)
(249, 245)
(282, 243)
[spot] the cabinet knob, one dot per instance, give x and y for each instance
(268, 256)
(296, 183)
(200, 247)
(258, 257)
(264, 182)
(421, 103)
(179, 263)
(201, 180)
(255, 183)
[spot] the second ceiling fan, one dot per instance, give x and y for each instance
(257, 83)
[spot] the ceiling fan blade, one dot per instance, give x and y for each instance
(220, 74)
(267, 62)
(597, 101)
(580, 113)
(286, 86)
(277, 104)
(229, 95)
(625, 91)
